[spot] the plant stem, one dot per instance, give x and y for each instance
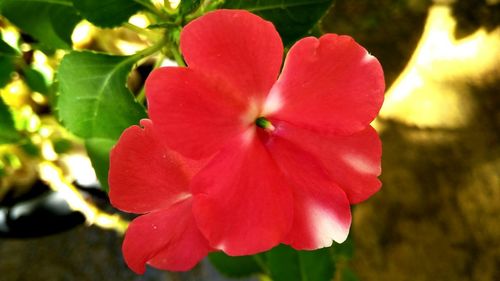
(147, 33)
(150, 50)
(260, 262)
(177, 55)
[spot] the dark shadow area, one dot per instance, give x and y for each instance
(472, 15)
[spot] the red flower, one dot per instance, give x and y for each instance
(288, 155)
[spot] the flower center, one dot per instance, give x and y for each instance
(264, 124)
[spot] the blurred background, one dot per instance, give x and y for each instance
(437, 216)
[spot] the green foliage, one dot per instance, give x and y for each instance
(94, 101)
(7, 62)
(49, 21)
(35, 80)
(287, 264)
(188, 6)
(106, 13)
(7, 66)
(234, 266)
(8, 132)
(98, 150)
(292, 18)
(95, 104)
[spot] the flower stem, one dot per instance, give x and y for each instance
(150, 50)
(177, 55)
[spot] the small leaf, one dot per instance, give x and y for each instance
(186, 7)
(94, 101)
(49, 21)
(98, 151)
(287, 264)
(35, 80)
(8, 132)
(234, 266)
(292, 18)
(106, 13)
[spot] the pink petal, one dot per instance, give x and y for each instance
(236, 45)
(242, 204)
(144, 175)
(321, 209)
(195, 113)
(328, 84)
(352, 162)
(167, 239)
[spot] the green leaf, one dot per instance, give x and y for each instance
(98, 150)
(8, 132)
(287, 264)
(49, 21)
(35, 80)
(293, 18)
(107, 13)
(7, 67)
(7, 63)
(234, 266)
(94, 101)
(186, 7)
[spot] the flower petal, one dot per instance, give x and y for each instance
(168, 239)
(241, 203)
(328, 84)
(197, 114)
(321, 209)
(236, 45)
(322, 215)
(352, 162)
(144, 175)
